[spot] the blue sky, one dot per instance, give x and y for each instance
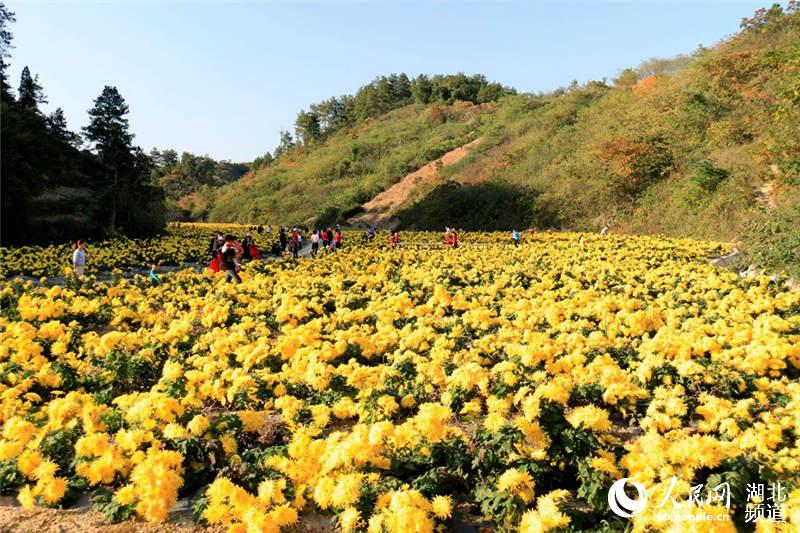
(225, 78)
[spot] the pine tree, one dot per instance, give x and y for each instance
(307, 127)
(57, 125)
(29, 94)
(108, 132)
(285, 145)
(6, 37)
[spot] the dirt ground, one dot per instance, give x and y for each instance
(43, 520)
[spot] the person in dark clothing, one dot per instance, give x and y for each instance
(246, 242)
(229, 266)
(282, 237)
(295, 244)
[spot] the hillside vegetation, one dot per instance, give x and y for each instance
(682, 146)
(679, 146)
(189, 180)
(328, 182)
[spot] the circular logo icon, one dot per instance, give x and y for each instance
(621, 504)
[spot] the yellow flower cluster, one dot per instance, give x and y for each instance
(180, 243)
(393, 389)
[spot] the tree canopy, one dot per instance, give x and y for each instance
(55, 189)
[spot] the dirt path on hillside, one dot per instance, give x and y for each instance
(381, 210)
(767, 194)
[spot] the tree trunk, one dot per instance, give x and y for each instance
(114, 200)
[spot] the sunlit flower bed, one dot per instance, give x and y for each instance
(180, 243)
(404, 391)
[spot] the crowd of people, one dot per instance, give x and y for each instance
(227, 254)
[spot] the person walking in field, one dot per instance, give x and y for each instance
(337, 236)
(216, 262)
(515, 237)
(253, 249)
(248, 239)
(79, 258)
(331, 241)
(232, 244)
(394, 240)
(217, 241)
(229, 266)
(323, 238)
(295, 243)
(299, 241)
(454, 238)
(314, 243)
(283, 239)
(153, 277)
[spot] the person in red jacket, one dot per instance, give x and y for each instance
(254, 251)
(215, 262)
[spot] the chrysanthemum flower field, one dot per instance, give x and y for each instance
(398, 390)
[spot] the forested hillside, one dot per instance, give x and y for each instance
(58, 184)
(705, 144)
(189, 180)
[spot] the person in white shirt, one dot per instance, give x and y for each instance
(79, 258)
(314, 243)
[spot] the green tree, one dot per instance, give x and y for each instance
(422, 89)
(109, 133)
(285, 145)
(762, 17)
(627, 78)
(130, 194)
(262, 161)
(30, 94)
(57, 124)
(307, 127)
(6, 37)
